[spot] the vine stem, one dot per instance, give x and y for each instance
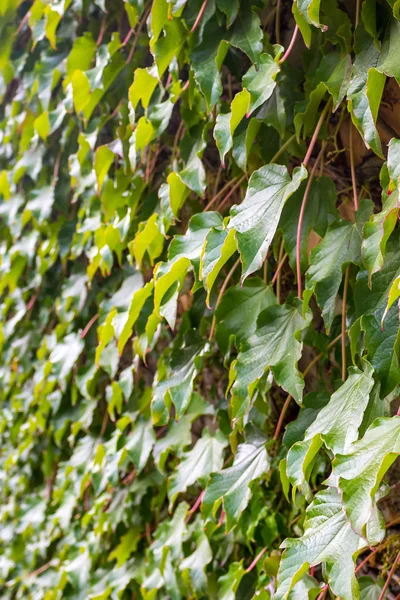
(301, 218)
(279, 267)
(199, 16)
(136, 38)
(255, 561)
(289, 397)
(278, 22)
(290, 47)
(391, 573)
(343, 335)
(88, 325)
(316, 132)
(352, 169)
(224, 189)
(195, 506)
(278, 274)
(221, 293)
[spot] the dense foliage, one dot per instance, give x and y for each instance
(200, 272)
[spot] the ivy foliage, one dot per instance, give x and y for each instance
(199, 278)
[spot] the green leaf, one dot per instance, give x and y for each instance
(336, 424)
(218, 247)
(176, 383)
(206, 457)
(383, 345)
(247, 33)
(360, 471)
(226, 124)
(327, 539)
(276, 344)
(230, 8)
(232, 485)
(140, 443)
(260, 82)
(380, 226)
(239, 309)
(340, 246)
(255, 220)
(365, 92)
(309, 9)
(103, 159)
(229, 583)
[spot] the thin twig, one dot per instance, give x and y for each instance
(23, 21)
(300, 220)
(278, 22)
(101, 32)
(255, 561)
(283, 148)
(344, 302)
(352, 169)
(290, 47)
(221, 293)
(391, 573)
(199, 16)
(279, 267)
(316, 132)
(137, 34)
(195, 506)
(321, 355)
(282, 416)
(278, 276)
(89, 324)
(222, 191)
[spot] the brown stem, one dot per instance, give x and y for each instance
(283, 148)
(316, 132)
(278, 276)
(223, 190)
(23, 21)
(391, 573)
(101, 33)
(137, 34)
(346, 285)
(301, 218)
(199, 16)
(281, 417)
(279, 267)
(352, 169)
(104, 423)
(221, 293)
(229, 194)
(290, 47)
(89, 325)
(255, 561)
(278, 22)
(319, 356)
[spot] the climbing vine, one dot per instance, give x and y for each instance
(199, 284)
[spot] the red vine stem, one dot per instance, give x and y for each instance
(316, 132)
(290, 47)
(344, 302)
(301, 218)
(391, 573)
(223, 190)
(136, 38)
(221, 293)
(255, 561)
(199, 16)
(195, 506)
(88, 326)
(352, 169)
